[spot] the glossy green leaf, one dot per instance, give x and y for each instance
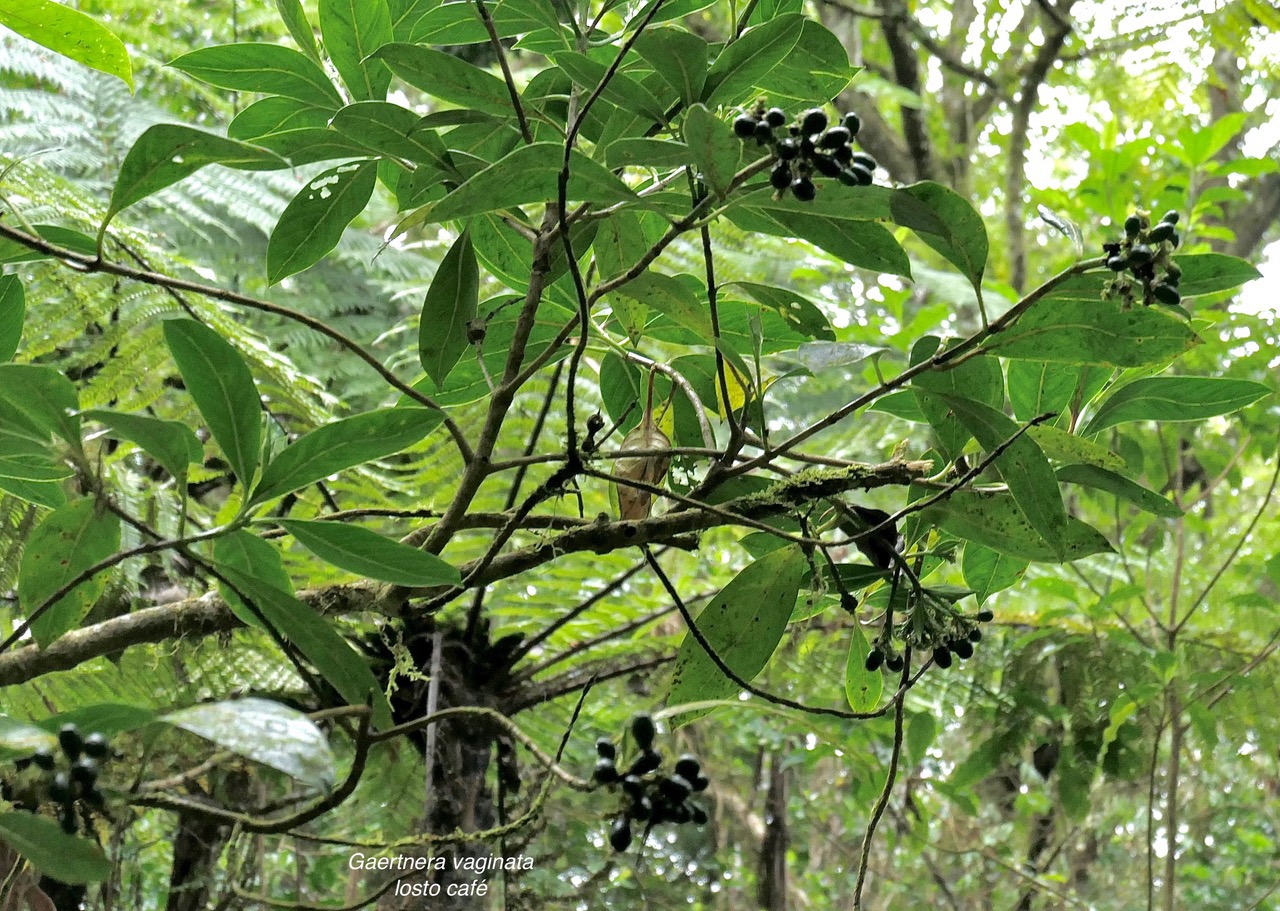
(253, 556)
(743, 624)
(1037, 387)
(1102, 333)
(315, 637)
(1175, 398)
(647, 153)
(341, 445)
(679, 57)
(219, 381)
(352, 30)
(715, 150)
(978, 378)
(67, 542)
(816, 69)
(1121, 487)
(621, 89)
(13, 310)
(276, 114)
(69, 32)
(958, 233)
(265, 732)
(1068, 448)
(530, 174)
(51, 851)
(800, 313)
(865, 244)
(1022, 465)
(38, 402)
(308, 146)
(313, 222)
(171, 443)
(995, 521)
(988, 571)
(25, 467)
(392, 130)
(861, 687)
(295, 20)
(450, 306)
(745, 62)
(448, 78)
(42, 493)
(922, 729)
(369, 554)
(1210, 273)
(166, 153)
(271, 69)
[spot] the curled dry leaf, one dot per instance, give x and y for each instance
(634, 503)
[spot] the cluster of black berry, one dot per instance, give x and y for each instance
(80, 781)
(930, 625)
(649, 796)
(1144, 259)
(808, 146)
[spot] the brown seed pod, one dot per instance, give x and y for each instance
(634, 503)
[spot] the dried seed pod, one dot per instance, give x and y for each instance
(634, 503)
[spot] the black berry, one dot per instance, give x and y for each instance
(788, 149)
(43, 759)
(776, 117)
(675, 789)
(84, 771)
(1166, 294)
(780, 176)
(633, 785)
(942, 656)
(697, 815)
(975, 635)
(863, 176)
(70, 740)
(826, 165)
(804, 189)
(1117, 263)
(1140, 255)
(605, 749)
(844, 154)
(1132, 225)
(814, 121)
(700, 783)
(1170, 217)
(875, 658)
(763, 133)
(744, 127)
(641, 809)
(1161, 232)
(962, 648)
(643, 730)
(606, 772)
(646, 762)
(852, 122)
(895, 663)
(836, 137)
(68, 820)
(620, 834)
(95, 746)
(865, 160)
(986, 615)
(60, 788)
(688, 767)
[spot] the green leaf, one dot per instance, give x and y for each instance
(801, 313)
(39, 401)
(219, 381)
(308, 146)
(715, 150)
(318, 641)
(1210, 273)
(41, 493)
(166, 153)
(977, 378)
(352, 30)
(1102, 333)
(865, 244)
(987, 571)
(253, 556)
(744, 63)
(295, 20)
(24, 467)
(1121, 487)
(814, 70)
(1175, 398)
(19, 739)
(265, 732)
(448, 309)
(1038, 387)
(861, 686)
(530, 174)
(956, 232)
(171, 443)
(13, 310)
(13, 252)
(70, 33)
(392, 130)
(621, 89)
(1022, 465)
(679, 57)
(271, 69)
(53, 852)
(341, 445)
(276, 114)
(743, 624)
(448, 78)
(641, 152)
(1061, 446)
(313, 222)
(69, 541)
(108, 718)
(922, 728)
(667, 294)
(994, 520)
(367, 553)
